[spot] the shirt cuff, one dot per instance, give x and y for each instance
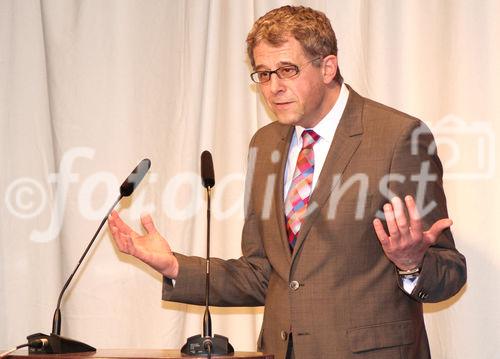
(409, 283)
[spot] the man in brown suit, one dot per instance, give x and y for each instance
(342, 284)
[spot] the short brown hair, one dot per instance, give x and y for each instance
(311, 28)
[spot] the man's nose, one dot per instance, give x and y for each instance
(276, 84)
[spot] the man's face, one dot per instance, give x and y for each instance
(300, 100)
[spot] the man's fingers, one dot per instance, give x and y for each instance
(121, 232)
(128, 244)
(120, 239)
(380, 231)
(122, 226)
(112, 219)
(148, 224)
(392, 226)
(436, 229)
(116, 236)
(415, 219)
(400, 216)
(114, 230)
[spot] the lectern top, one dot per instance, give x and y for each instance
(136, 354)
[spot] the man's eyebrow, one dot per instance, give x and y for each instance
(280, 64)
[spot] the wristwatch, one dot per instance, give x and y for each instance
(409, 272)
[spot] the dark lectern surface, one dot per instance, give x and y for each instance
(135, 354)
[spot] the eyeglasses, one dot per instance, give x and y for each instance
(283, 72)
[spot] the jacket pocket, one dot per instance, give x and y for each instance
(381, 336)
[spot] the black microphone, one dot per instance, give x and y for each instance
(207, 344)
(207, 170)
(56, 343)
(129, 185)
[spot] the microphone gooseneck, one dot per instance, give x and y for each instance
(56, 343)
(207, 344)
(126, 189)
(56, 321)
(208, 181)
(207, 318)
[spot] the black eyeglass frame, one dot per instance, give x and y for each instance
(279, 72)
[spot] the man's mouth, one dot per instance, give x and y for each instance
(282, 104)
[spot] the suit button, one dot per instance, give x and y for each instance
(423, 295)
(294, 285)
(284, 335)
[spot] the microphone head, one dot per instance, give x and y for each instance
(207, 170)
(133, 180)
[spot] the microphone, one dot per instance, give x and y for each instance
(130, 184)
(208, 181)
(207, 170)
(207, 344)
(55, 343)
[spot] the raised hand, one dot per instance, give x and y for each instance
(150, 248)
(407, 242)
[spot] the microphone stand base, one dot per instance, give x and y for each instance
(58, 345)
(199, 345)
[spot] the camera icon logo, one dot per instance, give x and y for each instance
(466, 149)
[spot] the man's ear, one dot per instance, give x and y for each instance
(329, 68)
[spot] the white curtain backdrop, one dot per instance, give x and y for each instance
(89, 88)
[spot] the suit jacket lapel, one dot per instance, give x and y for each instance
(284, 146)
(345, 142)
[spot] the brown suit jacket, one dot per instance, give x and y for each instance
(337, 292)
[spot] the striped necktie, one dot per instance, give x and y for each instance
(298, 196)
